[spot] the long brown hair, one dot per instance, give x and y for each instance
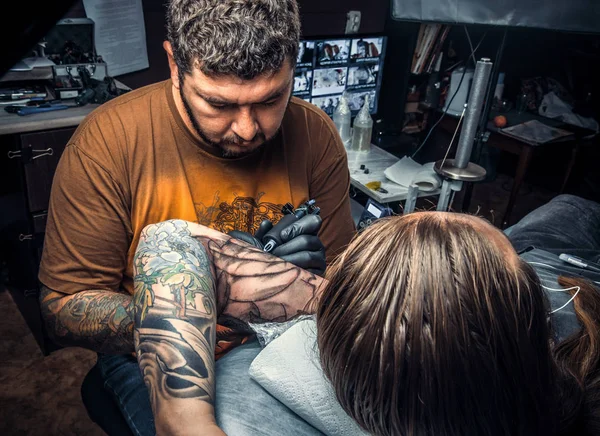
(431, 325)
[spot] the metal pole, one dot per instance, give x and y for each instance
(444, 199)
(466, 202)
(489, 98)
(471, 121)
(411, 199)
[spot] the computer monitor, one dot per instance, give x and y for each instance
(326, 68)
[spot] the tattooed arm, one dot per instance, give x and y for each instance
(96, 319)
(187, 276)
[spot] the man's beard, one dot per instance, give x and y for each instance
(236, 140)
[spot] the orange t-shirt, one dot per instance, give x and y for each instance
(133, 162)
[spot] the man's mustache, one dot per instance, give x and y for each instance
(237, 140)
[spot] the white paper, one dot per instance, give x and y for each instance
(407, 172)
(535, 132)
(120, 34)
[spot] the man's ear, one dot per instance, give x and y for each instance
(172, 64)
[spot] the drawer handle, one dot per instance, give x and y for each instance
(47, 152)
(37, 153)
(23, 237)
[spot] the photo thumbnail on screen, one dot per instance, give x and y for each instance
(367, 49)
(329, 81)
(306, 54)
(302, 82)
(356, 100)
(327, 104)
(333, 52)
(363, 75)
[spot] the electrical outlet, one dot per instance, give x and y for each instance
(352, 22)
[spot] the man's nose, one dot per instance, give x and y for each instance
(245, 126)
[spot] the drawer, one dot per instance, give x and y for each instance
(39, 223)
(42, 152)
(39, 230)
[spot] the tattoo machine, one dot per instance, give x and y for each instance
(289, 216)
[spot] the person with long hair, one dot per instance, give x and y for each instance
(431, 324)
(428, 324)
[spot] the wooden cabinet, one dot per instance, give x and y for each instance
(41, 152)
(37, 155)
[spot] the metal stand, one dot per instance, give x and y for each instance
(458, 170)
(484, 117)
(454, 178)
(411, 199)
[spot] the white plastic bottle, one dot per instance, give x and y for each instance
(341, 119)
(363, 128)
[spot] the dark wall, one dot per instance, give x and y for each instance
(319, 18)
(573, 59)
(328, 17)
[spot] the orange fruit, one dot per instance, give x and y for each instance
(500, 121)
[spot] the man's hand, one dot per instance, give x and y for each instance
(300, 245)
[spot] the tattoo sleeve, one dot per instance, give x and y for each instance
(186, 277)
(254, 286)
(99, 320)
(175, 323)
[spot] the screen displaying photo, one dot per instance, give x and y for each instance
(327, 104)
(333, 52)
(356, 100)
(326, 68)
(329, 81)
(302, 82)
(367, 49)
(363, 76)
(306, 54)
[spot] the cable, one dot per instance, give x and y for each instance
(454, 136)
(455, 92)
(562, 290)
(443, 115)
(471, 45)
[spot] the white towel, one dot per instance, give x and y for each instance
(289, 369)
(406, 172)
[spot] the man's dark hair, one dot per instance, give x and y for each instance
(243, 38)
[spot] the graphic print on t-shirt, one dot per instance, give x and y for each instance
(243, 213)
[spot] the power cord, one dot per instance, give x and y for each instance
(472, 55)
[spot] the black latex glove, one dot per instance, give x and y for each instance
(300, 243)
(246, 237)
(255, 240)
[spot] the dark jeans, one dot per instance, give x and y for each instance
(123, 382)
(566, 224)
(242, 406)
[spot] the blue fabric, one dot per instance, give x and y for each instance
(242, 406)
(567, 224)
(123, 381)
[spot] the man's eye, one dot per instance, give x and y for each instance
(270, 103)
(219, 106)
